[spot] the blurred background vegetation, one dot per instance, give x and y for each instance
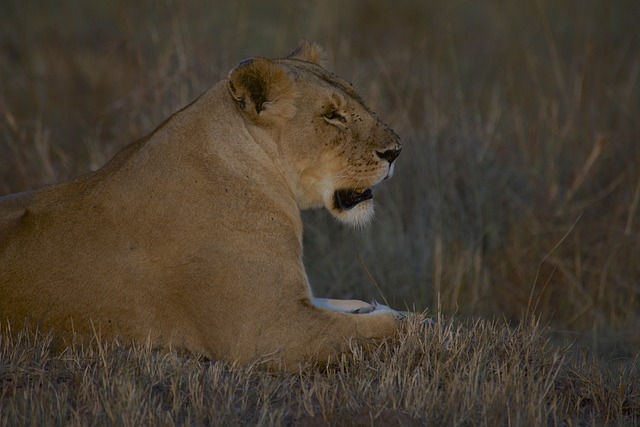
(518, 189)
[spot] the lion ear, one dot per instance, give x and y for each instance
(309, 52)
(263, 90)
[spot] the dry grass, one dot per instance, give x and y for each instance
(517, 196)
(470, 373)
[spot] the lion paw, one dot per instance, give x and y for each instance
(376, 307)
(366, 309)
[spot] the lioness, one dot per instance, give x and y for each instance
(192, 237)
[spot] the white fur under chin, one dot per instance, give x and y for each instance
(358, 216)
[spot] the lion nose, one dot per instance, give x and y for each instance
(389, 155)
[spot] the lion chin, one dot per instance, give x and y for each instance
(352, 206)
(191, 237)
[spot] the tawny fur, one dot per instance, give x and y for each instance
(192, 236)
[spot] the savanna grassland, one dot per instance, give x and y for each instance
(513, 218)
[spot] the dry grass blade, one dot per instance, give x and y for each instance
(530, 309)
(633, 209)
(373, 281)
(596, 151)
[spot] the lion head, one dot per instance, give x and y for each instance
(333, 149)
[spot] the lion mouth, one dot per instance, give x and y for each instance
(348, 198)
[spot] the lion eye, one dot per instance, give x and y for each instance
(335, 116)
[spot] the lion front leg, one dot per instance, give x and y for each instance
(309, 330)
(323, 328)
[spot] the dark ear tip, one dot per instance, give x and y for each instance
(245, 63)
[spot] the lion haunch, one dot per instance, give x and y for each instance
(192, 236)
